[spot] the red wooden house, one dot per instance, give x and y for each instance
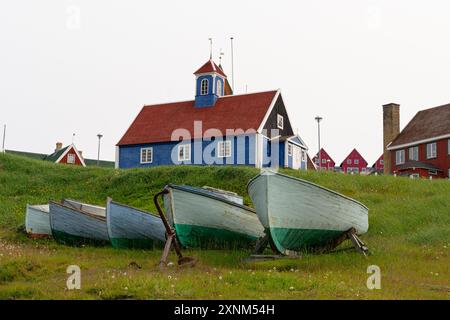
(67, 155)
(378, 166)
(354, 163)
(422, 148)
(327, 163)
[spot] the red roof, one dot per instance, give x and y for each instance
(210, 66)
(157, 122)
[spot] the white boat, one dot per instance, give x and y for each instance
(37, 221)
(298, 214)
(129, 227)
(206, 219)
(70, 225)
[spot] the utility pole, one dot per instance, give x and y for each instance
(318, 119)
(100, 136)
(4, 136)
(232, 63)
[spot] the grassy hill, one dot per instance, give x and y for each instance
(409, 223)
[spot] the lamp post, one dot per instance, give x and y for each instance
(318, 119)
(100, 136)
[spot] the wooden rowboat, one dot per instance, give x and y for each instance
(206, 219)
(129, 227)
(37, 221)
(73, 226)
(298, 215)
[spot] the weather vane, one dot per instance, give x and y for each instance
(221, 53)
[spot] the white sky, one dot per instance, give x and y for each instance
(339, 59)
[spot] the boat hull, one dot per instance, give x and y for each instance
(202, 220)
(133, 228)
(299, 215)
(37, 221)
(73, 227)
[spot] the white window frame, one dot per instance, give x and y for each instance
(414, 176)
(413, 153)
(349, 161)
(290, 149)
(430, 149)
(363, 170)
(382, 162)
(71, 158)
(147, 151)
(219, 88)
(448, 147)
(222, 149)
(303, 155)
(356, 161)
(204, 89)
(186, 152)
(324, 161)
(280, 121)
(400, 156)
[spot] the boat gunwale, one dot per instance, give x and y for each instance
(252, 180)
(38, 207)
(198, 191)
(131, 207)
(83, 203)
(100, 218)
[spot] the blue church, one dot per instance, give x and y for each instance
(216, 128)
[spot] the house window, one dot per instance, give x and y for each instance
(289, 149)
(184, 152)
(303, 155)
(324, 161)
(280, 121)
(349, 161)
(400, 157)
(448, 146)
(146, 155)
(414, 153)
(363, 170)
(70, 158)
(431, 150)
(448, 172)
(349, 169)
(204, 87)
(356, 161)
(414, 176)
(224, 149)
(382, 162)
(219, 88)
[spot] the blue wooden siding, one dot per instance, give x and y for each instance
(202, 153)
(209, 99)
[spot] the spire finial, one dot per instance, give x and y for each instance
(210, 48)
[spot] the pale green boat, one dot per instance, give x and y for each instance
(203, 218)
(298, 215)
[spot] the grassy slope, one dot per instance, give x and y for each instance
(408, 235)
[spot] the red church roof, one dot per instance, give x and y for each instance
(210, 66)
(157, 122)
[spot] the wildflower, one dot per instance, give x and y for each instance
(291, 288)
(220, 277)
(169, 277)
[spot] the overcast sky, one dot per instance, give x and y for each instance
(87, 67)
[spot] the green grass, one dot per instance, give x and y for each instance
(409, 237)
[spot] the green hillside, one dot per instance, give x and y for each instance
(409, 237)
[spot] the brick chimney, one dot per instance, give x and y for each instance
(58, 146)
(391, 129)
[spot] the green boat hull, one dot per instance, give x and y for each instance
(302, 239)
(72, 240)
(192, 236)
(124, 243)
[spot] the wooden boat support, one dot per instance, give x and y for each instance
(171, 237)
